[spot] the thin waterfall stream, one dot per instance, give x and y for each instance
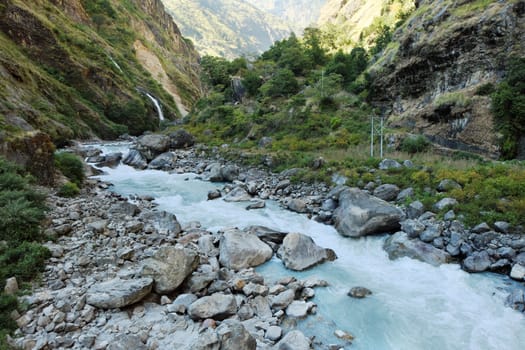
(413, 306)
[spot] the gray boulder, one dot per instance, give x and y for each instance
(447, 185)
(297, 205)
(152, 145)
(181, 139)
(118, 293)
(169, 267)
(234, 336)
(127, 342)
(293, 340)
(399, 245)
(229, 172)
(164, 161)
(299, 252)
(135, 159)
(415, 210)
(413, 228)
(477, 262)
(238, 194)
(386, 192)
(213, 172)
(359, 292)
(239, 250)
(444, 203)
(111, 160)
(217, 306)
(162, 221)
(389, 164)
(360, 214)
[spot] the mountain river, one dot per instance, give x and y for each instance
(413, 306)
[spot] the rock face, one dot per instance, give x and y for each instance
(239, 250)
(360, 214)
(299, 252)
(217, 306)
(464, 48)
(118, 293)
(399, 245)
(169, 267)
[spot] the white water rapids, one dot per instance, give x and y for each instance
(413, 306)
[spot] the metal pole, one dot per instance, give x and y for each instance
(381, 135)
(372, 138)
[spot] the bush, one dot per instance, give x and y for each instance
(71, 166)
(414, 144)
(21, 207)
(69, 189)
(22, 260)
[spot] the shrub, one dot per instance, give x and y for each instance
(22, 260)
(69, 189)
(71, 166)
(414, 144)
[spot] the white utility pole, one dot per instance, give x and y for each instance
(376, 129)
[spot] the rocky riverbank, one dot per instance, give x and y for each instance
(126, 275)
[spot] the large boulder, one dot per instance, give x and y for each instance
(217, 306)
(181, 139)
(299, 252)
(400, 245)
(169, 267)
(135, 159)
(360, 214)
(111, 160)
(152, 145)
(293, 340)
(118, 293)
(234, 336)
(477, 262)
(386, 192)
(238, 194)
(164, 161)
(239, 250)
(162, 221)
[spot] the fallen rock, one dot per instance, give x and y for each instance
(299, 252)
(297, 205)
(164, 161)
(293, 340)
(152, 145)
(518, 272)
(239, 250)
(181, 139)
(238, 194)
(135, 159)
(386, 192)
(399, 245)
(359, 292)
(234, 336)
(169, 267)
(118, 293)
(360, 214)
(477, 262)
(217, 306)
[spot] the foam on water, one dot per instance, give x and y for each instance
(413, 306)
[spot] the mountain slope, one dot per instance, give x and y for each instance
(83, 69)
(299, 14)
(226, 28)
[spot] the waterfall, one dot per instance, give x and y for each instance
(115, 64)
(157, 106)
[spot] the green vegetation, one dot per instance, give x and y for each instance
(21, 211)
(71, 166)
(69, 189)
(414, 144)
(509, 108)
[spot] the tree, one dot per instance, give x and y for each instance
(314, 50)
(283, 83)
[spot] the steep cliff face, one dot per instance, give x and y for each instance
(429, 78)
(72, 68)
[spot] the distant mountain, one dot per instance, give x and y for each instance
(227, 28)
(299, 14)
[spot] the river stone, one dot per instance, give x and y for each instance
(298, 309)
(413, 228)
(111, 160)
(11, 286)
(127, 342)
(282, 300)
(359, 292)
(299, 252)
(152, 145)
(229, 172)
(239, 250)
(164, 161)
(518, 272)
(217, 306)
(214, 194)
(274, 333)
(297, 205)
(207, 340)
(238, 194)
(162, 221)
(266, 234)
(360, 214)
(386, 192)
(293, 340)
(234, 336)
(182, 303)
(477, 262)
(415, 210)
(257, 204)
(118, 293)
(135, 159)
(169, 267)
(405, 194)
(399, 245)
